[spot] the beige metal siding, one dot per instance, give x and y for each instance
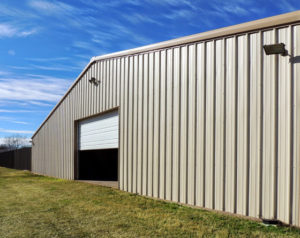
(214, 123)
(294, 205)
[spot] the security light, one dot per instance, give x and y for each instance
(94, 80)
(275, 49)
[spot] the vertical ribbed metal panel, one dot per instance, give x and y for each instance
(162, 126)
(135, 123)
(242, 124)
(150, 126)
(255, 130)
(139, 112)
(210, 123)
(294, 204)
(156, 123)
(219, 123)
(214, 124)
(145, 123)
(269, 165)
(169, 125)
(200, 125)
(191, 123)
(230, 125)
(176, 124)
(183, 123)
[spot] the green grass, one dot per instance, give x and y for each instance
(38, 206)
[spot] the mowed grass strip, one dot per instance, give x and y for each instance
(39, 206)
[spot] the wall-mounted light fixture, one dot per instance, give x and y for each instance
(276, 49)
(94, 80)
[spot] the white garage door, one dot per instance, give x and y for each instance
(101, 132)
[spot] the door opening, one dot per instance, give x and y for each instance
(98, 165)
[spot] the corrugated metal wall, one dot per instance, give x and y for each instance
(213, 124)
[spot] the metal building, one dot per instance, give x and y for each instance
(208, 120)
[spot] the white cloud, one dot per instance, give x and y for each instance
(19, 67)
(35, 88)
(89, 47)
(20, 122)
(16, 131)
(236, 10)
(11, 11)
(138, 18)
(18, 111)
(48, 67)
(71, 16)
(175, 3)
(8, 30)
(41, 104)
(48, 59)
(51, 8)
(286, 6)
(11, 52)
(182, 13)
(4, 73)
(13, 120)
(27, 33)
(56, 68)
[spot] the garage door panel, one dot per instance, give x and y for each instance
(95, 139)
(97, 131)
(95, 136)
(100, 125)
(101, 132)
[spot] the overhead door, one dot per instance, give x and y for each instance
(101, 132)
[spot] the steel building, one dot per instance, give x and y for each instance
(208, 120)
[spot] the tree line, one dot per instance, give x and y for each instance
(14, 142)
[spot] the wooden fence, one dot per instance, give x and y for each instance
(16, 159)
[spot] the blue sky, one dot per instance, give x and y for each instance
(44, 45)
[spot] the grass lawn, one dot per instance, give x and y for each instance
(38, 206)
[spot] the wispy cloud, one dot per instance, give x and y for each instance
(95, 49)
(19, 111)
(286, 6)
(11, 52)
(70, 15)
(35, 88)
(237, 10)
(48, 67)
(8, 30)
(174, 3)
(137, 18)
(48, 59)
(14, 12)
(52, 8)
(19, 67)
(12, 120)
(42, 104)
(4, 73)
(182, 13)
(16, 131)
(20, 122)
(56, 68)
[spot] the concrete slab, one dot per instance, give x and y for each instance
(111, 184)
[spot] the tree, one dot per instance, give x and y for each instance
(15, 142)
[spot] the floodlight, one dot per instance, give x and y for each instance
(92, 80)
(275, 49)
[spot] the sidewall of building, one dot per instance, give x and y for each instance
(213, 124)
